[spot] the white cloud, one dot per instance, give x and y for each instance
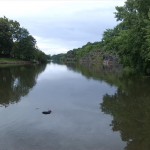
(50, 46)
(62, 25)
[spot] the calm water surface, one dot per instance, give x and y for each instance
(92, 109)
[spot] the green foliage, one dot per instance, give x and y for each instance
(89, 47)
(79, 53)
(131, 38)
(128, 71)
(6, 42)
(16, 42)
(40, 56)
(59, 57)
(24, 49)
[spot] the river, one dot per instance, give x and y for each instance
(92, 108)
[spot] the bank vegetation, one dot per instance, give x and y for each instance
(127, 43)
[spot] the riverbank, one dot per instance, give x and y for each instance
(13, 61)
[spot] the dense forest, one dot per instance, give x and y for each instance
(129, 40)
(16, 42)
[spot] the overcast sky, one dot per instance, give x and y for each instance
(61, 25)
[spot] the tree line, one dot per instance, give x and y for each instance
(17, 42)
(129, 40)
(79, 54)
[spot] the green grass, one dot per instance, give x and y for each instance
(8, 59)
(12, 61)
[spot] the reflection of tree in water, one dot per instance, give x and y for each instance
(129, 106)
(17, 81)
(130, 109)
(97, 72)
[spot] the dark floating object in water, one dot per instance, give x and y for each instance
(46, 112)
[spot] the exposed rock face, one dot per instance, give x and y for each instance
(110, 60)
(100, 57)
(71, 56)
(92, 57)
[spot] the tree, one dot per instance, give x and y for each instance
(41, 56)
(16, 42)
(6, 42)
(24, 48)
(135, 34)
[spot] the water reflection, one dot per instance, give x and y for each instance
(130, 109)
(129, 106)
(76, 121)
(109, 74)
(17, 81)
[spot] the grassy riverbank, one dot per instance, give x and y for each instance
(13, 61)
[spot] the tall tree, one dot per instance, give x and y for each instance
(16, 41)
(6, 42)
(24, 48)
(134, 18)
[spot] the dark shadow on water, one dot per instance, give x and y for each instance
(17, 81)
